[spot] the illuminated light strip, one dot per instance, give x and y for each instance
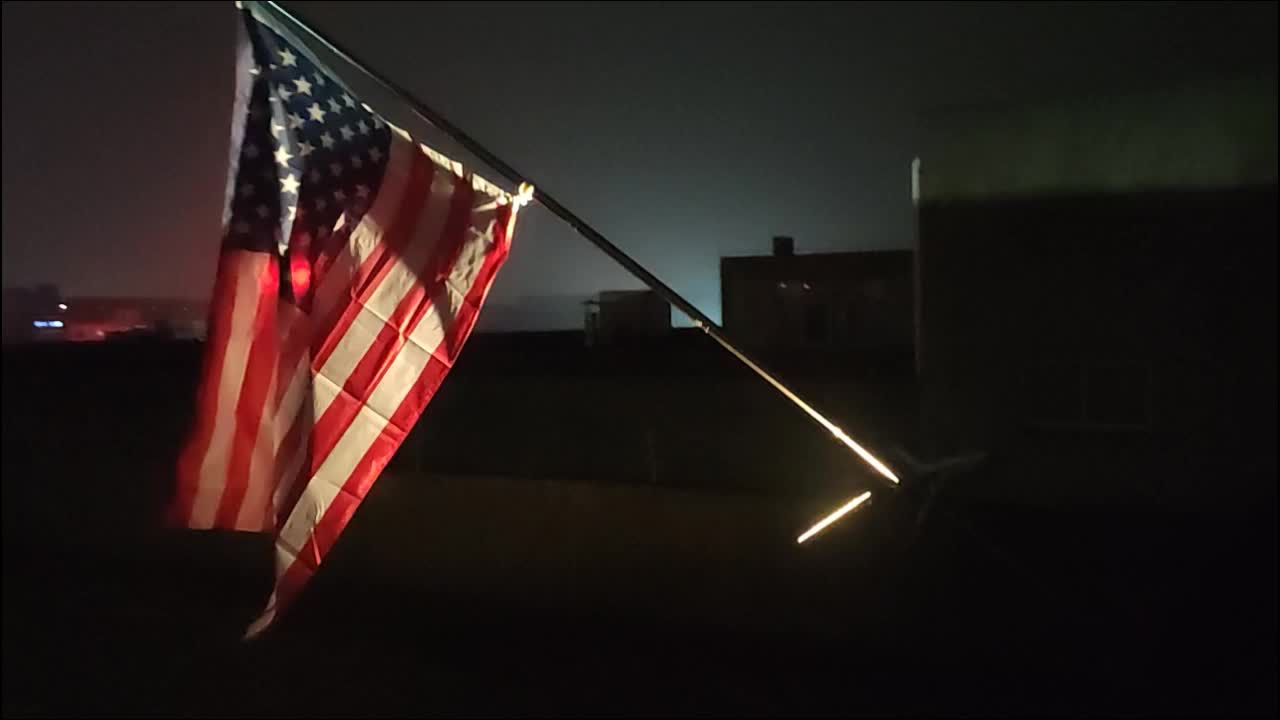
(841, 512)
(870, 459)
(831, 427)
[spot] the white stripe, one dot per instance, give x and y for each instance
(401, 278)
(253, 507)
(334, 288)
(248, 268)
(255, 512)
(291, 402)
(373, 417)
(291, 466)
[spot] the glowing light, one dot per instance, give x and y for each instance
(870, 459)
(40, 323)
(55, 323)
(839, 513)
(300, 277)
(62, 306)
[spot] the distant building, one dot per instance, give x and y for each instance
(625, 315)
(44, 315)
(850, 300)
(1097, 286)
(32, 314)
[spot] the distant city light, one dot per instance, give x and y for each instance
(62, 306)
(844, 509)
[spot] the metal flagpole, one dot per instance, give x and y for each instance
(424, 112)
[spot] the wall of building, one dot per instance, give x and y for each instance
(1098, 299)
(821, 301)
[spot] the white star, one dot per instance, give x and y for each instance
(347, 132)
(356, 162)
(284, 93)
(250, 150)
(289, 184)
(282, 156)
(255, 70)
(293, 212)
(339, 195)
(317, 112)
(321, 204)
(375, 154)
(326, 140)
(334, 106)
(362, 191)
(295, 121)
(304, 149)
(276, 128)
(335, 168)
(303, 86)
(246, 189)
(264, 212)
(288, 59)
(364, 129)
(240, 228)
(347, 99)
(319, 80)
(315, 176)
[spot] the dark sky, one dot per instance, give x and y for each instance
(683, 131)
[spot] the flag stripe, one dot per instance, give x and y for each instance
(191, 460)
(444, 234)
(256, 387)
(305, 560)
(252, 269)
(373, 244)
(401, 221)
(389, 413)
(370, 279)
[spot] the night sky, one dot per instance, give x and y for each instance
(682, 131)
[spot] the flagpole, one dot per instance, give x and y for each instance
(885, 475)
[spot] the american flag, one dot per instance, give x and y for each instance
(353, 265)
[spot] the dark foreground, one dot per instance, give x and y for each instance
(442, 600)
(88, 638)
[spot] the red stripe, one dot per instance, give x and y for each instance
(292, 349)
(375, 267)
(258, 373)
(298, 433)
(331, 329)
(344, 504)
(394, 333)
(192, 457)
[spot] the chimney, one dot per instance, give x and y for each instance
(784, 246)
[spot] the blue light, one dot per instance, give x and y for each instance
(55, 323)
(40, 323)
(47, 323)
